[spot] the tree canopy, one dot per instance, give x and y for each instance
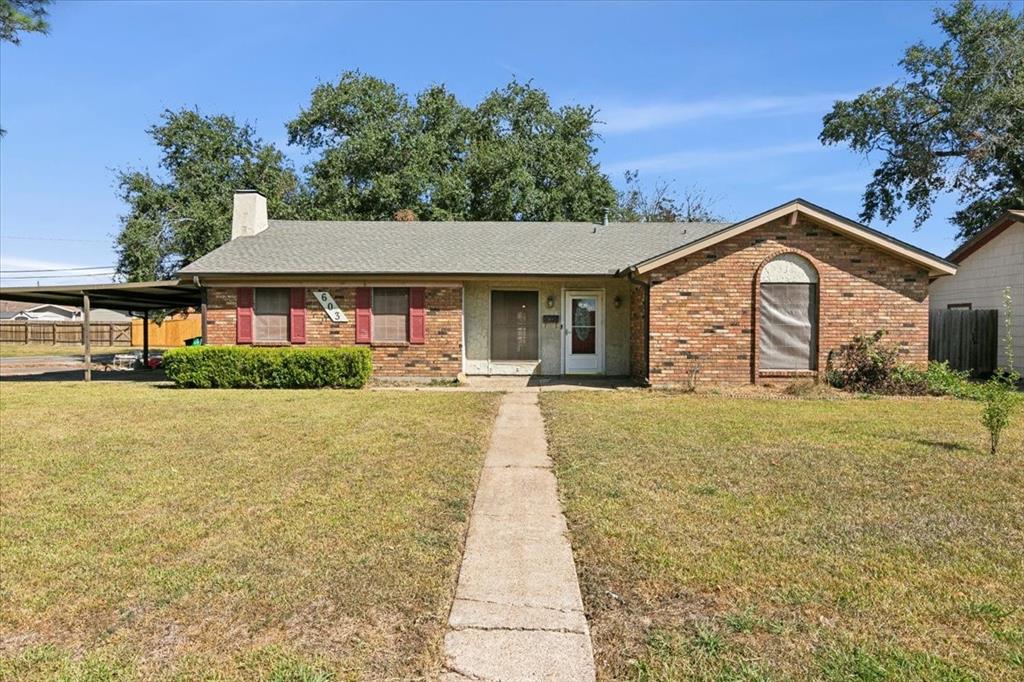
(376, 154)
(22, 16)
(174, 220)
(512, 157)
(661, 205)
(954, 123)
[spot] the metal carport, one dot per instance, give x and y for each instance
(134, 297)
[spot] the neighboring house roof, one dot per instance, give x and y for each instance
(497, 248)
(55, 313)
(46, 311)
(986, 235)
(12, 306)
(104, 315)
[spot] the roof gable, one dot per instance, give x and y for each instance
(985, 236)
(841, 224)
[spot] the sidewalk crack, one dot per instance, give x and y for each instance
(522, 606)
(510, 628)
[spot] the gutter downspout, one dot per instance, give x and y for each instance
(631, 276)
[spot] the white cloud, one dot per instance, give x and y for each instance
(704, 158)
(630, 118)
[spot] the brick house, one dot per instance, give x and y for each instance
(666, 303)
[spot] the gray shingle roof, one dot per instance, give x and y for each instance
(484, 248)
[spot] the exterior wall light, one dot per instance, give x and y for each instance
(617, 301)
(550, 301)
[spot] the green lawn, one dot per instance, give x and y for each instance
(159, 533)
(732, 539)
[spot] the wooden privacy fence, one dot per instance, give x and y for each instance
(61, 333)
(966, 339)
(171, 332)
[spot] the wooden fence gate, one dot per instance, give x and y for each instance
(57, 333)
(966, 339)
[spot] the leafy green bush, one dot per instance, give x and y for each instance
(869, 366)
(254, 367)
(944, 380)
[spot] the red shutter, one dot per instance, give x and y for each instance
(243, 315)
(417, 316)
(364, 314)
(297, 316)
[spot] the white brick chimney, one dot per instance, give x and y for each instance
(248, 214)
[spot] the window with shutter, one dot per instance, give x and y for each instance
(390, 314)
(270, 315)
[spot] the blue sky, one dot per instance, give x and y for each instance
(727, 96)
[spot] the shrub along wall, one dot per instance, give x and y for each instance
(254, 367)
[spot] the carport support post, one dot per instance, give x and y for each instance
(87, 342)
(145, 338)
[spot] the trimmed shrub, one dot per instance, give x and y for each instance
(255, 367)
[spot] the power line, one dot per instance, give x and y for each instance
(58, 276)
(53, 239)
(93, 267)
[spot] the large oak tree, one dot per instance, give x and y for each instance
(512, 157)
(184, 212)
(955, 123)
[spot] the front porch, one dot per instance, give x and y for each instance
(547, 327)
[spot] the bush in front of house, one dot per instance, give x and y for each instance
(868, 365)
(255, 367)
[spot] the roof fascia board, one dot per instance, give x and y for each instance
(850, 229)
(985, 236)
(354, 279)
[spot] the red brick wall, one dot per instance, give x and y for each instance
(637, 312)
(704, 307)
(439, 357)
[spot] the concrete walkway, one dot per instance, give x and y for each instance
(517, 613)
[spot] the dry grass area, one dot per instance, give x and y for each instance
(32, 350)
(26, 350)
(742, 539)
(155, 533)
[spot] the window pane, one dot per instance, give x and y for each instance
(584, 326)
(514, 325)
(390, 314)
(270, 314)
(789, 326)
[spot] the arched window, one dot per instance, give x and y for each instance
(789, 314)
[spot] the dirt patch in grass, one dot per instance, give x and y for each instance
(154, 533)
(26, 350)
(31, 350)
(727, 538)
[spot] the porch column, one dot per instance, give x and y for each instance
(202, 308)
(86, 341)
(145, 338)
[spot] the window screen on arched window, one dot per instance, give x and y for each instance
(789, 314)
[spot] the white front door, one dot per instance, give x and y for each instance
(583, 332)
